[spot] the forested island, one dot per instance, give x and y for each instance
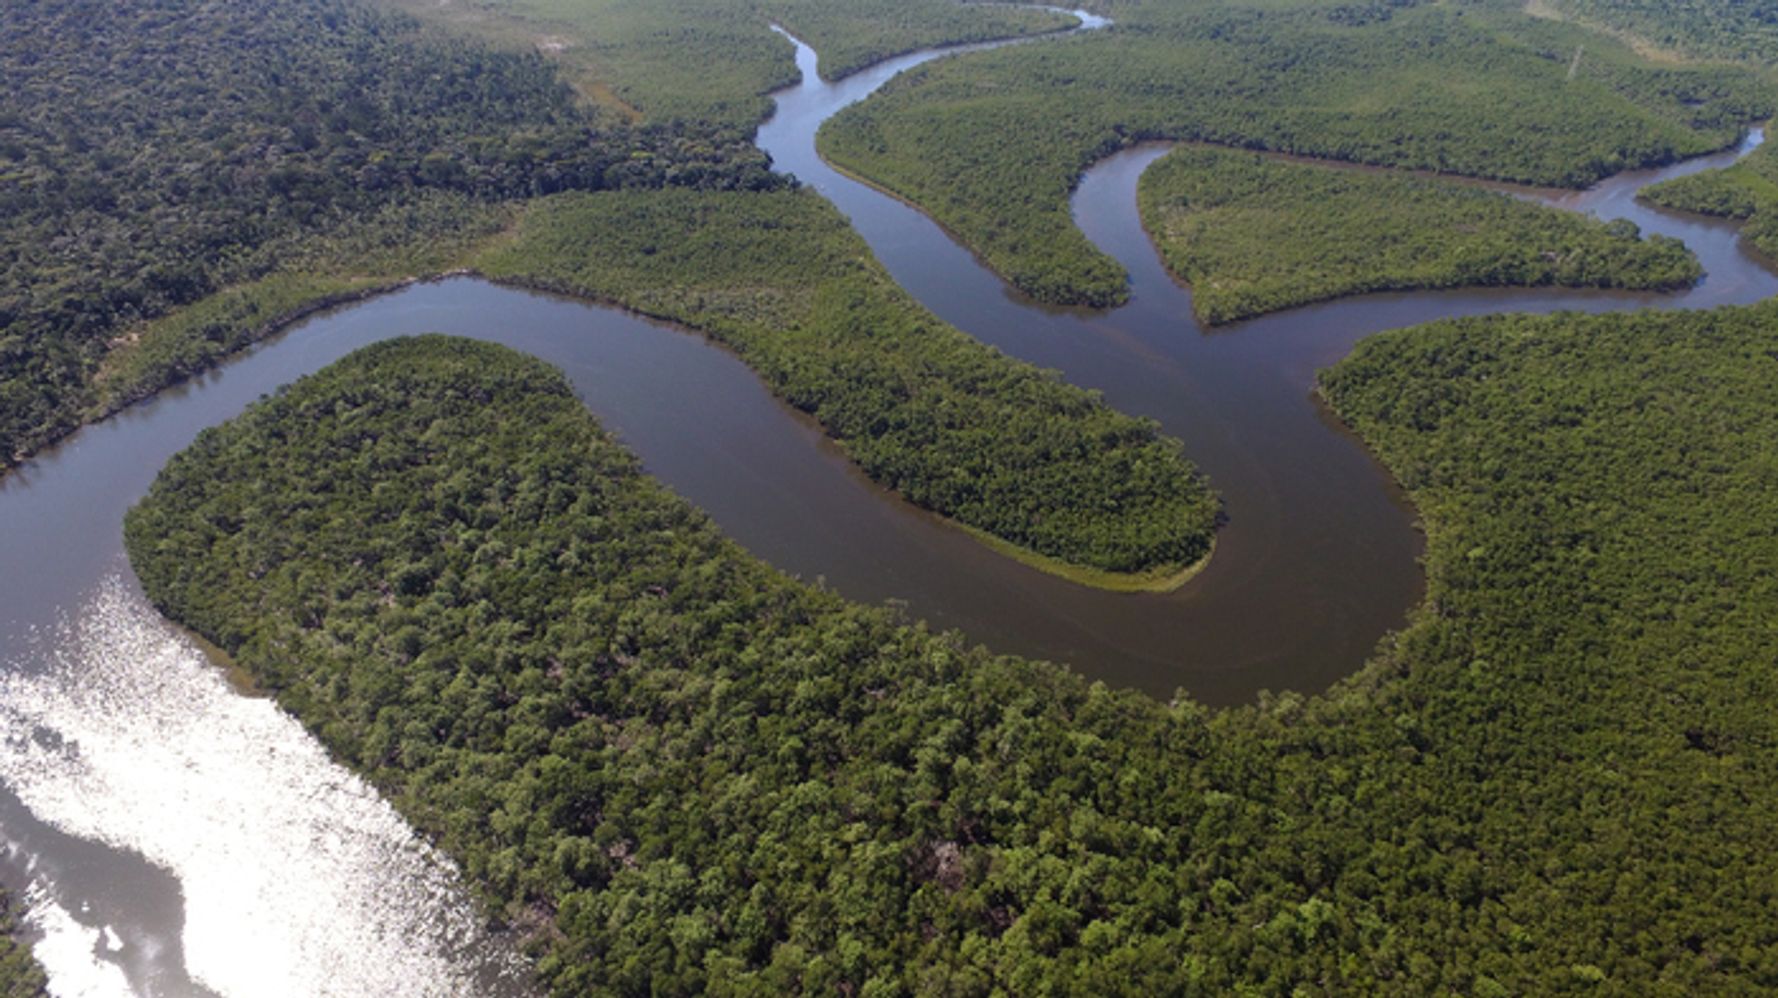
(1254, 234)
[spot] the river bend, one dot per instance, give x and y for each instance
(172, 836)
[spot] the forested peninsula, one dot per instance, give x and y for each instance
(992, 145)
(1253, 234)
(681, 771)
(952, 425)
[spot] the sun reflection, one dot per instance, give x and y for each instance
(297, 879)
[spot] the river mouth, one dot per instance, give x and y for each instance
(124, 750)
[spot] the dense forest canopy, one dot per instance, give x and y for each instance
(345, 150)
(152, 153)
(992, 144)
(1252, 233)
(682, 771)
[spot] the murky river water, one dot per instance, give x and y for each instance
(171, 836)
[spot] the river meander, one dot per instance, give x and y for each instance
(172, 836)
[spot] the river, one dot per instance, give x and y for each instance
(171, 835)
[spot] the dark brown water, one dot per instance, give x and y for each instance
(174, 837)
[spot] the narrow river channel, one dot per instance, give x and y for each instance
(172, 835)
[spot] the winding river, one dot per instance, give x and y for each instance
(172, 835)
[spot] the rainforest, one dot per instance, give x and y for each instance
(590, 497)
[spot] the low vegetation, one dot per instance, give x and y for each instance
(992, 144)
(1254, 234)
(715, 60)
(1747, 190)
(1711, 29)
(954, 426)
(684, 772)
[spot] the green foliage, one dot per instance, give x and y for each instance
(704, 773)
(952, 425)
(992, 144)
(689, 773)
(1721, 29)
(1594, 670)
(21, 976)
(1747, 190)
(1254, 234)
(714, 60)
(154, 153)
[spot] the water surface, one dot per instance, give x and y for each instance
(172, 836)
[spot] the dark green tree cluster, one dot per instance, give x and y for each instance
(1254, 234)
(954, 426)
(683, 772)
(1747, 191)
(21, 976)
(992, 144)
(152, 153)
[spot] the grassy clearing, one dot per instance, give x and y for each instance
(714, 60)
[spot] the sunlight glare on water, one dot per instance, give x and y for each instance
(72, 955)
(297, 878)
